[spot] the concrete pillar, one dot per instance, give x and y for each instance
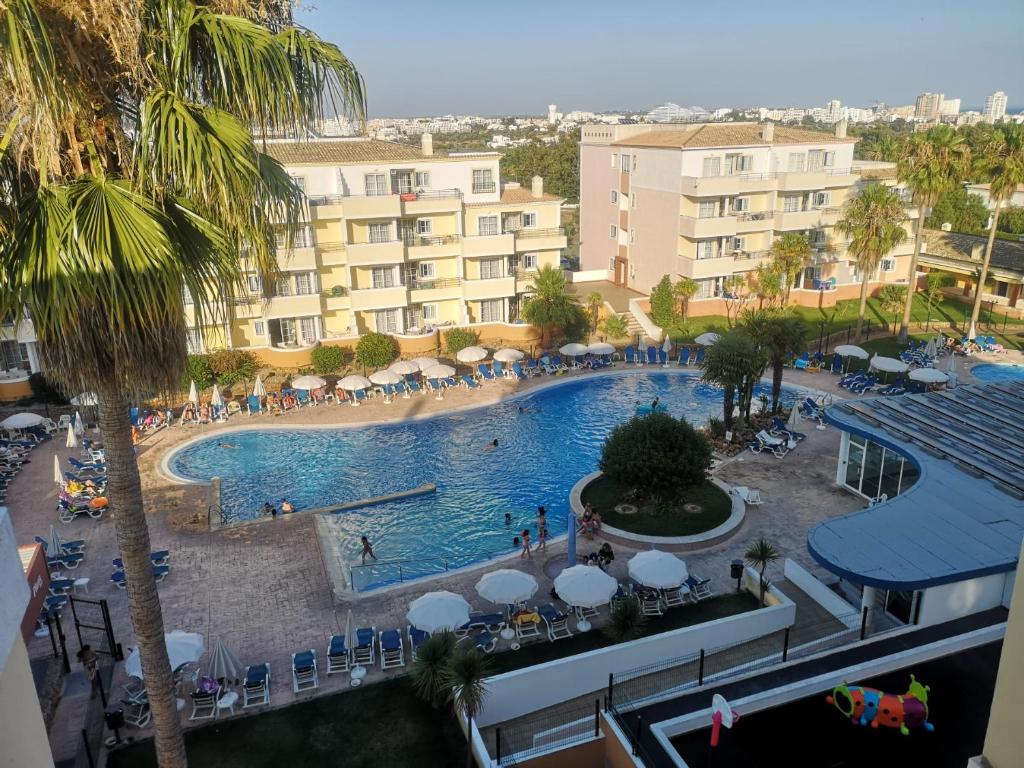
(427, 144)
(33, 356)
(537, 187)
(1014, 295)
(867, 600)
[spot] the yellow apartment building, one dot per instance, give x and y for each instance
(706, 201)
(397, 239)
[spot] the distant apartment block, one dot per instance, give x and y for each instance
(707, 201)
(995, 107)
(397, 239)
(928, 106)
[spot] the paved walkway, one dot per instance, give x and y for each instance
(616, 295)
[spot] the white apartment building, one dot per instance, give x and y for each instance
(995, 107)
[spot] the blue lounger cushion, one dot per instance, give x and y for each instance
(257, 674)
(303, 660)
(364, 637)
(417, 635)
(390, 640)
(337, 646)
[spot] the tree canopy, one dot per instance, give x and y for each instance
(558, 164)
(552, 306)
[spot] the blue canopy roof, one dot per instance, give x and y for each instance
(963, 518)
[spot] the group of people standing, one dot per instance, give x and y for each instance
(524, 540)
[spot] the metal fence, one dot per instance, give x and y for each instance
(528, 737)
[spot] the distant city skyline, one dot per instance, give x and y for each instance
(487, 59)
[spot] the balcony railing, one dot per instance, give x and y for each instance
(484, 187)
(489, 277)
(332, 245)
(417, 241)
(551, 232)
(316, 200)
(431, 194)
(525, 273)
(823, 209)
(753, 215)
(415, 282)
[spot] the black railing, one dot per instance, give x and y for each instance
(483, 187)
(433, 194)
(316, 200)
(425, 283)
(527, 737)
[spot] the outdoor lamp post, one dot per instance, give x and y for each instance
(736, 571)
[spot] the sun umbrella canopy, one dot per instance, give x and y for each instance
(508, 355)
(657, 569)
(573, 350)
(258, 389)
(667, 346)
(951, 372)
(22, 421)
(852, 350)
(54, 543)
(352, 383)
(707, 339)
(422, 363)
(385, 377)
(470, 354)
(72, 441)
(79, 424)
(888, 364)
(438, 371)
(86, 398)
(930, 348)
(215, 398)
(308, 382)
(929, 376)
(585, 586)
(193, 393)
(507, 586)
(224, 663)
(182, 648)
(435, 611)
(58, 476)
(601, 348)
(403, 367)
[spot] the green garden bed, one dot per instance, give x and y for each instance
(604, 494)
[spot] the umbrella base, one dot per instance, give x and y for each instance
(507, 633)
(582, 625)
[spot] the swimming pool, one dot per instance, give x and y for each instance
(998, 372)
(540, 456)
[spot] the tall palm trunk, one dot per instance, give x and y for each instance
(124, 491)
(728, 395)
(980, 287)
(777, 368)
(863, 305)
(912, 282)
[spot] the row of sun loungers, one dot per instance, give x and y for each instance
(15, 450)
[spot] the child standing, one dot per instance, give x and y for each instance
(526, 544)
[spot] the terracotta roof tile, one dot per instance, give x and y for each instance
(1006, 254)
(519, 196)
(727, 135)
(342, 151)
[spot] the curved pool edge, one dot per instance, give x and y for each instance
(163, 464)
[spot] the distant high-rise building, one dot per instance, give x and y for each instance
(673, 113)
(995, 107)
(949, 107)
(928, 106)
(553, 114)
(833, 111)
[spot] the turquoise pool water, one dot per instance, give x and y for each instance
(998, 372)
(540, 456)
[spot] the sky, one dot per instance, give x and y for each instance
(483, 57)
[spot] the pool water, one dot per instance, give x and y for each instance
(998, 372)
(540, 455)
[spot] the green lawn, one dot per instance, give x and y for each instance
(604, 494)
(379, 725)
(680, 616)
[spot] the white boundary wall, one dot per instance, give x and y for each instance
(522, 691)
(645, 322)
(800, 577)
(590, 276)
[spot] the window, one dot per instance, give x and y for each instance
(284, 287)
(738, 243)
(422, 180)
(632, 200)
(791, 203)
(491, 268)
(707, 249)
(741, 204)
(305, 283)
(193, 341)
(259, 327)
(529, 220)
(613, 231)
(308, 327)
(820, 199)
(380, 232)
(483, 180)
(186, 296)
(615, 196)
(424, 226)
(830, 159)
(529, 261)
(738, 163)
(888, 265)
(386, 320)
(815, 160)
(254, 283)
(428, 311)
(299, 181)
(611, 264)
(383, 277)
(712, 166)
(401, 181)
(492, 311)
(487, 225)
(626, 163)
(615, 159)
(288, 331)
(797, 162)
(707, 209)
(427, 269)
(377, 185)
(706, 288)
(632, 236)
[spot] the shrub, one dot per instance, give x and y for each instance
(663, 303)
(45, 391)
(431, 664)
(456, 339)
(577, 324)
(659, 456)
(376, 350)
(329, 359)
(197, 369)
(625, 621)
(614, 327)
(230, 366)
(716, 427)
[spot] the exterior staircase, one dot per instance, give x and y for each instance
(635, 329)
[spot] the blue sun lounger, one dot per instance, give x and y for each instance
(652, 355)
(364, 652)
(338, 656)
(392, 651)
(486, 372)
(499, 369)
(517, 369)
(470, 382)
(630, 355)
(416, 638)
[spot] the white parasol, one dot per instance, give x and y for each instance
(22, 421)
(193, 393)
(438, 371)
(951, 372)
(507, 586)
(888, 364)
(422, 363)
(601, 348)
(929, 376)
(385, 376)
(79, 424)
(308, 382)
(657, 569)
(72, 441)
(258, 390)
(585, 586)
(471, 354)
(404, 367)
(224, 664)
(354, 382)
(182, 648)
(58, 476)
(508, 355)
(852, 350)
(707, 339)
(85, 399)
(435, 611)
(930, 348)
(216, 399)
(573, 350)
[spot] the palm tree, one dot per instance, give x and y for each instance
(873, 221)
(614, 327)
(760, 555)
(429, 669)
(551, 305)
(1001, 164)
(685, 289)
(734, 363)
(929, 164)
(780, 336)
(886, 147)
(130, 173)
(594, 302)
(791, 254)
(466, 675)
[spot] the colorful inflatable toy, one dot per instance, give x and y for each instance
(868, 706)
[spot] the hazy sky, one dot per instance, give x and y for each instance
(433, 57)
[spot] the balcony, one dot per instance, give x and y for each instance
(809, 219)
(820, 178)
(324, 207)
(754, 221)
(484, 187)
(488, 245)
(433, 288)
(431, 201)
(740, 261)
(540, 239)
(299, 305)
(379, 298)
(332, 254)
(337, 298)
(370, 254)
(737, 183)
(372, 207)
(488, 288)
(710, 226)
(421, 247)
(296, 258)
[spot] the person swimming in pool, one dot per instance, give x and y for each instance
(367, 549)
(654, 405)
(508, 518)
(491, 445)
(287, 507)
(226, 445)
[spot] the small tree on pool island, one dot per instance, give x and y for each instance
(760, 555)
(657, 456)
(466, 675)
